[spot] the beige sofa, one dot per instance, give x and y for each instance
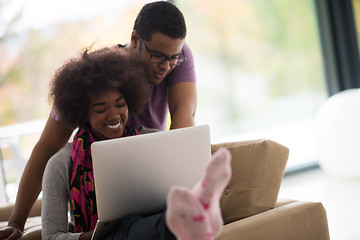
(250, 204)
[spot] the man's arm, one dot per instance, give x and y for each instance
(53, 137)
(182, 104)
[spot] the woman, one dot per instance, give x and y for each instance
(97, 93)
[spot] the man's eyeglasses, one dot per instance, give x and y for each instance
(159, 58)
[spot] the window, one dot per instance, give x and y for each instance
(259, 64)
(260, 71)
(36, 37)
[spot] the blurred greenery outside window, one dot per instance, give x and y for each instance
(260, 71)
(36, 38)
(356, 7)
(258, 63)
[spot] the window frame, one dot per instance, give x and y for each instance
(340, 49)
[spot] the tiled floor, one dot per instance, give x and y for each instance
(341, 199)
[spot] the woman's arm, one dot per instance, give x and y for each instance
(55, 187)
(53, 137)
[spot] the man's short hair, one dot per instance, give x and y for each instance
(160, 17)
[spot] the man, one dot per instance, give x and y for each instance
(157, 41)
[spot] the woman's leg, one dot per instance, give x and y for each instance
(216, 177)
(135, 227)
(196, 213)
(186, 217)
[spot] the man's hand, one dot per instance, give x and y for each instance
(10, 233)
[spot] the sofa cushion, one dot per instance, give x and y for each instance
(257, 171)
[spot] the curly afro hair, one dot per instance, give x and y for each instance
(91, 75)
(160, 17)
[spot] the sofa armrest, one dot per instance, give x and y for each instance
(32, 228)
(297, 220)
(5, 211)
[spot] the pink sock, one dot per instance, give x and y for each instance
(209, 190)
(185, 217)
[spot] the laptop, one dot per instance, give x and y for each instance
(132, 175)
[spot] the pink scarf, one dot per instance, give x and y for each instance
(82, 191)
